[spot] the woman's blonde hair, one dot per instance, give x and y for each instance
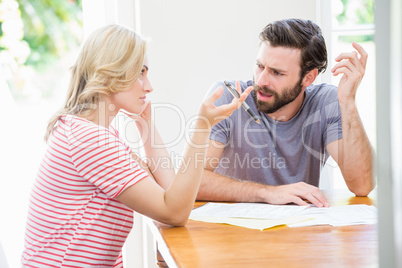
(110, 60)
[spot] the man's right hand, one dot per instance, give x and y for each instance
(299, 193)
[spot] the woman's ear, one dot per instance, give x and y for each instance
(310, 77)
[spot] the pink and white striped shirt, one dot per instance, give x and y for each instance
(74, 218)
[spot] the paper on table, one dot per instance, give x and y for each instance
(247, 210)
(339, 216)
(250, 215)
(259, 224)
(263, 216)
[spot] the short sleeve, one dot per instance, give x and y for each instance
(103, 159)
(333, 127)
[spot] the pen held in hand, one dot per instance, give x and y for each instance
(245, 106)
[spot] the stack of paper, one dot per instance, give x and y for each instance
(262, 216)
(339, 216)
(250, 215)
(247, 210)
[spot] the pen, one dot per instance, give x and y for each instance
(244, 104)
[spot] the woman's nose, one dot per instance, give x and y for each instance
(147, 86)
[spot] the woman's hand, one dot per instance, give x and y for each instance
(209, 114)
(143, 119)
(146, 110)
(145, 113)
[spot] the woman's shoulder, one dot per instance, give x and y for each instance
(81, 130)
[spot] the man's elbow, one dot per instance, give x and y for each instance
(361, 192)
(365, 188)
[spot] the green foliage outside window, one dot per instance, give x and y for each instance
(363, 12)
(356, 12)
(49, 27)
(34, 35)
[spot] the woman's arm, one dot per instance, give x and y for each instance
(174, 205)
(157, 156)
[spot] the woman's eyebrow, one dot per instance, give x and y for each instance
(146, 67)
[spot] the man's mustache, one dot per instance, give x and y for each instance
(264, 90)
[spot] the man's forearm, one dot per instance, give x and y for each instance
(357, 159)
(215, 187)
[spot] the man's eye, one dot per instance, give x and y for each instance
(277, 73)
(259, 65)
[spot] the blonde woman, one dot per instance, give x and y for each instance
(89, 181)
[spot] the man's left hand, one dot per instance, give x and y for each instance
(352, 65)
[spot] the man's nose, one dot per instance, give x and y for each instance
(263, 79)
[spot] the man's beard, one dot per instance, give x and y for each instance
(288, 95)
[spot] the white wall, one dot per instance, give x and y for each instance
(195, 43)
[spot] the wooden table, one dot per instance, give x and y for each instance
(201, 244)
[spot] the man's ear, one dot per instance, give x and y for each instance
(310, 77)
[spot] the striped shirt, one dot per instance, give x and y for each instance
(74, 218)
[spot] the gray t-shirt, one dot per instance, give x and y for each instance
(277, 152)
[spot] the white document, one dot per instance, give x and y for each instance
(339, 216)
(247, 210)
(259, 224)
(262, 216)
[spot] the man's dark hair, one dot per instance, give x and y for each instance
(302, 34)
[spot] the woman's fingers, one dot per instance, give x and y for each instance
(237, 102)
(214, 96)
(245, 94)
(216, 114)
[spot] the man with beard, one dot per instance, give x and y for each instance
(279, 161)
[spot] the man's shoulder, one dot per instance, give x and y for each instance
(322, 93)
